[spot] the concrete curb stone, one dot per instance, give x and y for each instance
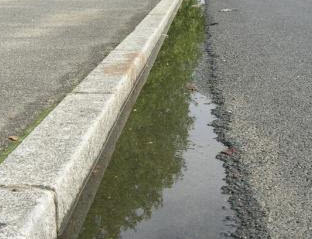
(53, 162)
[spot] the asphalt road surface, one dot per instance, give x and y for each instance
(261, 64)
(47, 47)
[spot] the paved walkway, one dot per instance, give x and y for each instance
(47, 47)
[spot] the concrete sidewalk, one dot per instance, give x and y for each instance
(48, 47)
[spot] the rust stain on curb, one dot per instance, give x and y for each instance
(125, 65)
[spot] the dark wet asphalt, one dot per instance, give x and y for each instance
(262, 58)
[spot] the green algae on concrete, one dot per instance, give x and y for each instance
(148, 158)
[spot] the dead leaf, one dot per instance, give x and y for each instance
(229, 151)
(191, 87)
(13, 138)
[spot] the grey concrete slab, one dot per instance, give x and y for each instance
(48, 47)
(27, 213)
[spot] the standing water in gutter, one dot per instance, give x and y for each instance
(164, 180)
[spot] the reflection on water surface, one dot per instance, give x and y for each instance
(163, 180)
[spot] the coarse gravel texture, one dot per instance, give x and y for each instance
(260, 65)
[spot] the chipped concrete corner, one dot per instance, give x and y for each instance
(41, 180)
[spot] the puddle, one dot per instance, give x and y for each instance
(190, 207)
(164, 180)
